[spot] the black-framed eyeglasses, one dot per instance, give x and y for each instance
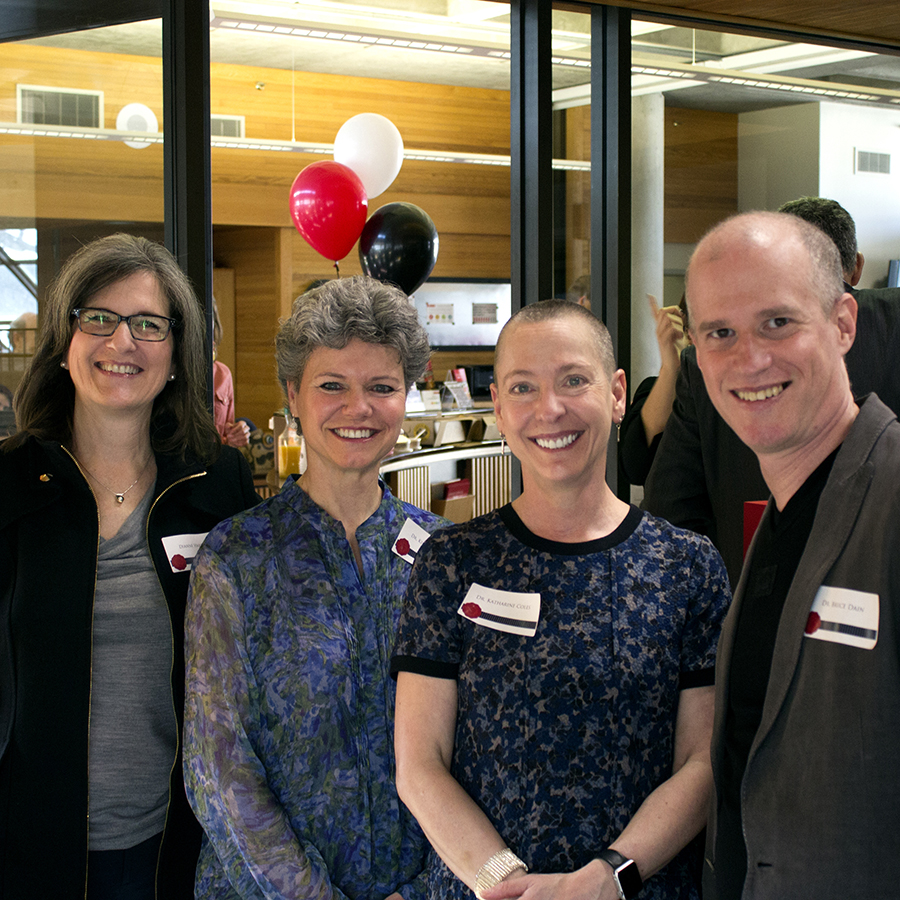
(143, 327)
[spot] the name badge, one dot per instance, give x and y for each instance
(410, 539)
(843, 616)
(502, 610)
(181, 550)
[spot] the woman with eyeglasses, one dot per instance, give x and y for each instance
(115, 476)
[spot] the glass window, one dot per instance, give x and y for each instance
(18, 288)
(571, 47)
(296, 73)
(71, 171)
(741, 122)
(726, 123)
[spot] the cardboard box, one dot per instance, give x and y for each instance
(460, 510)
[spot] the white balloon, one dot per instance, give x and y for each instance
(371, 146)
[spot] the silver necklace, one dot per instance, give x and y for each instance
(119, 495)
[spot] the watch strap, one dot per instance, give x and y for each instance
(625, 872)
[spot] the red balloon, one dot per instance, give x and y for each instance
(328, 205)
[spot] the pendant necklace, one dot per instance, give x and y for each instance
(119, 495)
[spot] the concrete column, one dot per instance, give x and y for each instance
(647, 200)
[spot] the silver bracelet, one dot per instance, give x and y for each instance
(496, 869)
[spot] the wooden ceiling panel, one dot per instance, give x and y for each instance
(873, 21)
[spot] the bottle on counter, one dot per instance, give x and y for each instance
(291, 452)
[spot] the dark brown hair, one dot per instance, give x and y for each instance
(45, 399)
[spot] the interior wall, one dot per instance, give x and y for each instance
(701, 185)
(872, 199)
(701, 171)
(647, 231)
(809, 150)
(779, 156)
(578, 194)
(260, 258)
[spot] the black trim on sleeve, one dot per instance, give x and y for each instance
(431, 667)
(703, 678)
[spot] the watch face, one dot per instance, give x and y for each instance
(629, 879)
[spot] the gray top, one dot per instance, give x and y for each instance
(133, 734)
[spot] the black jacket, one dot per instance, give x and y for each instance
(49, 539)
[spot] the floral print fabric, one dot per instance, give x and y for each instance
(289, 758)
(560, 737)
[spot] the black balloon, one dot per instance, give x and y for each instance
(399, 244)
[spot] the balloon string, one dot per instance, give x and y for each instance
(337, 268)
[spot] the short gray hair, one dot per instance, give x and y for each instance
(346, 308)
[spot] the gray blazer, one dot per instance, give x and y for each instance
(820, 796)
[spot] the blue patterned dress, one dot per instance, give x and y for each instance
(560, 737)
(288, 736)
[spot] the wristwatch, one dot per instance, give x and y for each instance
(625, 871)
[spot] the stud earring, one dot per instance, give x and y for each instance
(172, 377)
(64, 365)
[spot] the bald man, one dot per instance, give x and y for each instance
(806, 742)
(702, 474)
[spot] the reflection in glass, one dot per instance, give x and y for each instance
(68, 174)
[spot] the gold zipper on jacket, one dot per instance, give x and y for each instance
(90, 674)
(171, 667)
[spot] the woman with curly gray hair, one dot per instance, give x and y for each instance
(289, 735)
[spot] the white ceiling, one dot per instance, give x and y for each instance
(466, 42)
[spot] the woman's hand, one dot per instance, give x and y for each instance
(591, 882)
(237, 434)
(670, 337)
(669, 333)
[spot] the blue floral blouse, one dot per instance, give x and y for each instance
(561, 736)
(288, 735)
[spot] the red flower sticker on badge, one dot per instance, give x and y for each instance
(179, 562)
(471, 610)
(402, 546)
(813, 623)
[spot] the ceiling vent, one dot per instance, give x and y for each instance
(878, 163)
(226, 126)
(40, 105)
